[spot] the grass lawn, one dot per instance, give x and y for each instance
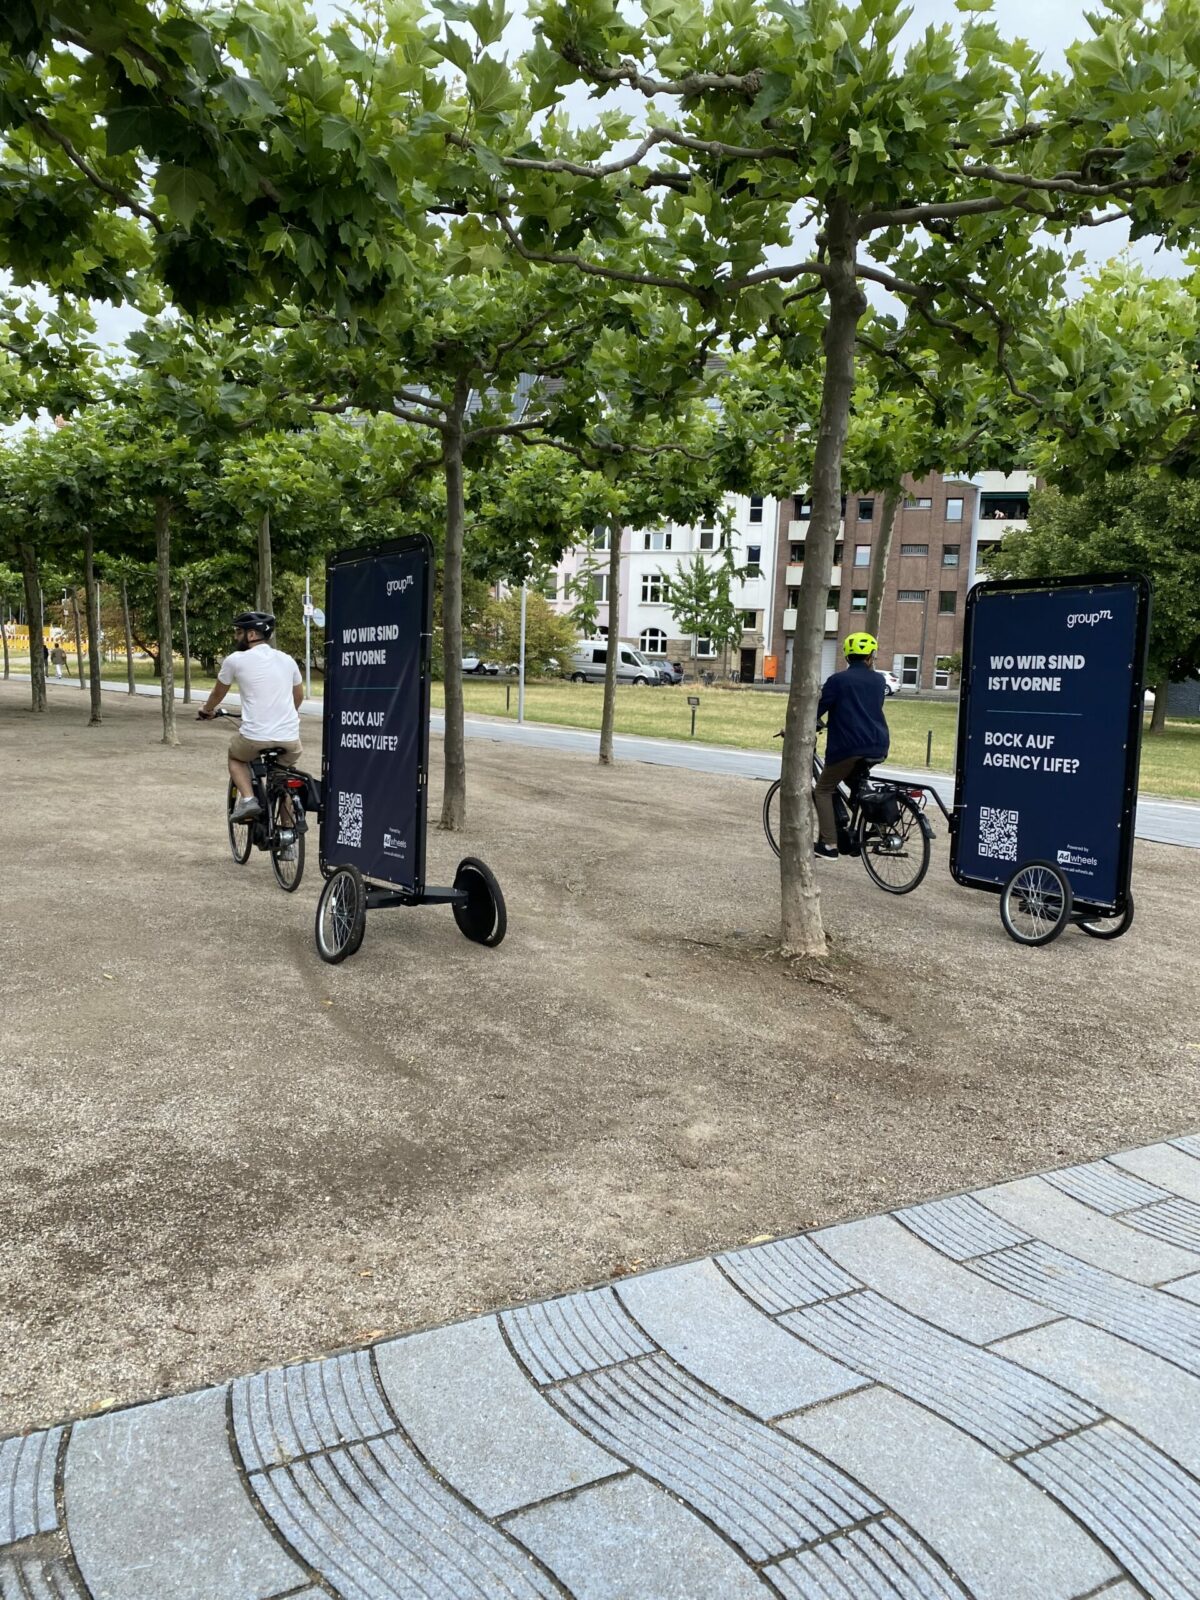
(748, 719)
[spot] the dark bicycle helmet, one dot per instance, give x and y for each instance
(261, 621)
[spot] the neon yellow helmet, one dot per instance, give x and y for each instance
(859, 644)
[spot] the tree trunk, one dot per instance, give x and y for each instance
(33, 609)
(1158, 721)
(4, 636)
(266, 585)
(128, 637)
(879, 561)
(187, 655)
(92, 600)
(454, 761)
(608, 715)
(803, 932)
(78, 636)
(162, 543)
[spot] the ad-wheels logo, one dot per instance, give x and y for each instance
(1073, 857)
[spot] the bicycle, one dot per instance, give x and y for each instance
(880, 820)
(284, 793)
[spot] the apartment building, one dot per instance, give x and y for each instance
(649, 563)
(943, 527)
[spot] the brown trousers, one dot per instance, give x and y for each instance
(832, 774)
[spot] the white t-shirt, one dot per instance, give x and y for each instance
(265, 679)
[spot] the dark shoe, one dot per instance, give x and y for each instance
(247, 810)
(827, 851)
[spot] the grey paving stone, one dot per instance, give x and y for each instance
(1189, 1144)
(291, 1411)
(983, 1394)
(1046, 1213)
(1131, 1496)
(1168, 1166)
(37, 1578)
(628, 1540)
(697, 1317)
(1104, 1187)
(1185, 1288)
(1004, 1539)
(959, 1227)
(1176, 1221)
(1153, 1396)
(377, 1526)
(157, 1511)
(786, 1273)
(561, 1338)
(887, 1257)
(27, 1484)
(1148, 1318)
(884, 1559)
(470, 1410)
(763, 1490)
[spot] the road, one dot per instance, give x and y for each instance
(1163, 821)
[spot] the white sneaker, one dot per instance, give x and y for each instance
(246, 810)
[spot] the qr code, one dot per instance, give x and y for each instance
(350, 820)
(998, 833)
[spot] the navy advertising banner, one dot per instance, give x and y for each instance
(376, 712)
(1049, 732)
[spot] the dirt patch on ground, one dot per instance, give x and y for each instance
(219, 1153)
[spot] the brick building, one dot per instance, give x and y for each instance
(942, 526)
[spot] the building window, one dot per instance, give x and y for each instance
(793, 599)
(910, 670)
(653, 642)
(866, 510)
(600, 538)
(704, 647)
(796, 552)
(656, 541)
(549, 586)
(600, 586)
(708, 538)
(920, 502)
(911, 594)
(749, 621)
(947, 603)
(756, 508)
(656, 590)
(950, 555)
(837, 553)
(941, 673)
(954, 510)
(833, 600)
(914, 549)
(753, 560)
(803, 508)
(858, 599)
(862, 555)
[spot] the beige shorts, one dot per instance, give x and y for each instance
(242, 749)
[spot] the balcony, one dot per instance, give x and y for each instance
(799, 530)
(992, 531)
(789, 621)
(796, 571)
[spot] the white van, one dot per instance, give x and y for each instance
(589, 663)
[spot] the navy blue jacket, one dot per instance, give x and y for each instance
(853, 702)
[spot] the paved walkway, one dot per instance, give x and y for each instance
(995, 1395)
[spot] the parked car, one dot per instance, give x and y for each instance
(590, 661)
(478, 667)
(670, 671)
(890, 680)
(552, 668)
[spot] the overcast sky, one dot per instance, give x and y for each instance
(1049, 25)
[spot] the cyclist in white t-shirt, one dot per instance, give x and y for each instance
(271, 688)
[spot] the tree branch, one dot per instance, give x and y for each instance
(656, 136)
(93, 177)
(617, 274)
(801, 269)
(695, 83)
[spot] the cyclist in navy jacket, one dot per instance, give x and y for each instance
(852, 704)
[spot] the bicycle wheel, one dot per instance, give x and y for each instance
(896, 855)
(771, 815)
(341, 915)
(1035, 905)
(1107, 927)
(240, 837)
(484, 918)
(287, 844)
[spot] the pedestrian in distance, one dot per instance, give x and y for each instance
(59, 657)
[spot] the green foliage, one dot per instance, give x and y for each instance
(1140, 522)
(701, 599)
(549, 637)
